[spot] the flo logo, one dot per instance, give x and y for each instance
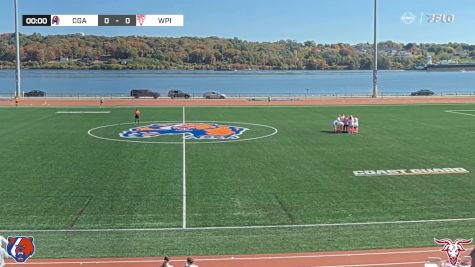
(20, 248)
(208, 131)
(453, 249)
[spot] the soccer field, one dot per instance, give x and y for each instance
(286, 185)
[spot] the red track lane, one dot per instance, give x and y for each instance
(387, 257)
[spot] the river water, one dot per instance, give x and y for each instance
(236, 83)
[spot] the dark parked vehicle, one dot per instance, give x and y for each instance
(178, 93)
(214, 95)
(35, 93)
(136, 93)
(422, 92)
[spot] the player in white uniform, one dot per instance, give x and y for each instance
(3, 251)
(355, 124)
(189, 262)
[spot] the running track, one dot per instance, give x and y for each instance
(389, 257)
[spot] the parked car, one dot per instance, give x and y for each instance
(136, 93)
(422, 92)
(214, 95)
(178, 93)
(35, 93)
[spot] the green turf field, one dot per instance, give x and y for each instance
(55, 176)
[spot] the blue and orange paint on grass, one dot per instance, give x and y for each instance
(198, 131)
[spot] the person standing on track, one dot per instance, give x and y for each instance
(190, 262)
(101, 101)
(472, 255)
(17, 100)
(166, 262)
(137, 116)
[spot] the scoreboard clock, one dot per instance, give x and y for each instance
(36, 20)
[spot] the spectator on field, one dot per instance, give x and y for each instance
(190, 262)
(166, 262)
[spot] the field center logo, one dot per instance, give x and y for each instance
(207, 131)
(20, 248)
(453, 249)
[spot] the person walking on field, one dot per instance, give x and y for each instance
(137, 116)
(166, 262)
(190, 262)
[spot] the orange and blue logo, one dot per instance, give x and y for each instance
(202, 131)
(20, 248)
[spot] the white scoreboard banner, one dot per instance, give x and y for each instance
(74, 20)
(138, 20)
(160, 20)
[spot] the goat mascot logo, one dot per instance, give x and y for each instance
(453, 249)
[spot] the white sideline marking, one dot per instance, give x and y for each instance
(184, 174)
(237, 227)
(83, 112)
(248, 258)
(461, 112)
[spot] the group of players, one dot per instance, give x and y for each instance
(346, 124)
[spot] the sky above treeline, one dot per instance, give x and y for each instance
(322, 21)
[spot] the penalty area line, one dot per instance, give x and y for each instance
(461, 112)
(217, 228)
(83, 112)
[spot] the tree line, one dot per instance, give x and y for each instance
(141, 52)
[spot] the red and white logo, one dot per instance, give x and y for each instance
(141, 19)
(453, 249)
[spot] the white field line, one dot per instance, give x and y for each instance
(461, 112)
(83, 112)
(238, 227)
(247, 258)
(184, 175)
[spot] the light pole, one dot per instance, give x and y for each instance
(17, 36)
(375, 54)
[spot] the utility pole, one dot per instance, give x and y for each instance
(375, 54)
(17, 36)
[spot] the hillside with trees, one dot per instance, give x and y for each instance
(141, 52)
